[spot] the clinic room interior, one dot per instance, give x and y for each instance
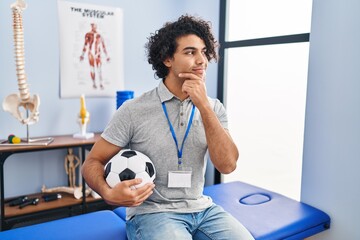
(287, 74)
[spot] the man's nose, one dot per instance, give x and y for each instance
(201, 58)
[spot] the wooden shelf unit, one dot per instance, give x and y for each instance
(69, 202)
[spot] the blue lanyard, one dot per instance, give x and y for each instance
(180, 151)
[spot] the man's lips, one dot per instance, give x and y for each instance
(199, 70)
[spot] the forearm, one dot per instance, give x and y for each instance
(93, 173)
(222, 149)
(93, 168)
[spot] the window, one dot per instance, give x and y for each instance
(251, 19)
(262, 82)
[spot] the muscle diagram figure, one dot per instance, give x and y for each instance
(94, 45)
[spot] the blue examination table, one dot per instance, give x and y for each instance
(267, 215)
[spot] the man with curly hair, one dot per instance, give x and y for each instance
(175, 125)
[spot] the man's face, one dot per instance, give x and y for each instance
(189, 57)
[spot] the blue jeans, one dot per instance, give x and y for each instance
(210, 224)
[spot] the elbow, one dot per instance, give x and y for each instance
(83, 169)
(228, 169)
(230, 164)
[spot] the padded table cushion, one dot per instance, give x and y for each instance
(104, 225)
(121, 212)
(268, 215)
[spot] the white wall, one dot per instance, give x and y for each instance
(331, 161)
(26, 173)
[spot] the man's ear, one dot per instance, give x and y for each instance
(167, 62)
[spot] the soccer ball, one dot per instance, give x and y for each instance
(129, 164)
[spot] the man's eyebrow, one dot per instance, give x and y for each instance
(189, 48)
(192, 48)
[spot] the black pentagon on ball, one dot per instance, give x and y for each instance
(150, 169)
(129, 154)
(126, 174)
(107, 170)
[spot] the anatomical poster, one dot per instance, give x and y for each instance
(91, 50)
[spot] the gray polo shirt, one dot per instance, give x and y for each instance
(141, 123)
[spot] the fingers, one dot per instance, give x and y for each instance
(194, 86)
(190, 76)
(192, 81)
(124, 194)
(143, 193)
(197, 92)
(132, 182)
(139, 195)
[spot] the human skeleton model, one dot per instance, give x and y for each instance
(13, 102)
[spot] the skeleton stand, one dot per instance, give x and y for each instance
(35, 141)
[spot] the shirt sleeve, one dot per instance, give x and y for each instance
(119, 129)
(220, 112)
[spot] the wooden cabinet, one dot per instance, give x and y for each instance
(68, 205)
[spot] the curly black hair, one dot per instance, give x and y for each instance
(162, 44)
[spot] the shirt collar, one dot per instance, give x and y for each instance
(165, 94)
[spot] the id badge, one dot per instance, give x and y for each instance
(179, 179)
